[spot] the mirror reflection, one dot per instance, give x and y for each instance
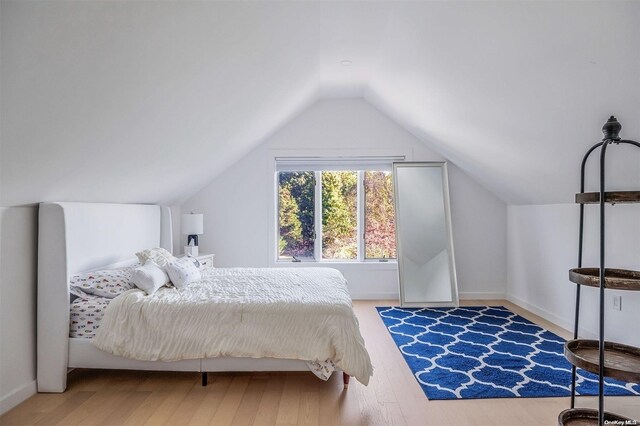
(424, 243)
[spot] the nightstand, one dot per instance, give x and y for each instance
(206, 260)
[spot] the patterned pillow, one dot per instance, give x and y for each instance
(183, 272)
(106, 283)
(86, 314)
(158, 255)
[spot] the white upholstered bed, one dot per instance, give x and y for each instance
(79, 237)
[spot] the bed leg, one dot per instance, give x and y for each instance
(345, 379)
(204, 378)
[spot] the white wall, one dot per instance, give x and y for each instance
(238, 204)
(18, 242)
(176, 214)
(543, 246)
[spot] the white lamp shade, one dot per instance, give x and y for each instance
(192, 224)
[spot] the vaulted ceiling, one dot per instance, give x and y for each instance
(149, 101)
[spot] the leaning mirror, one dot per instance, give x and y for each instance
(426, 265)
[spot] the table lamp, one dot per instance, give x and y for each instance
(192, 226)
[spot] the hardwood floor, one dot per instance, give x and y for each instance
(393, 397)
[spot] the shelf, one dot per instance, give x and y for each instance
(616, 279)
(621, 362)
(587, 416)
(615, 197)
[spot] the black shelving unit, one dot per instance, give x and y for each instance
(604, 358)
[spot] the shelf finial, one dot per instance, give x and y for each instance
(611, 129)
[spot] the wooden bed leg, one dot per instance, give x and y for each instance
(204, 378)
(345, 379)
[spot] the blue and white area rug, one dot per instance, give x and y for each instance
(486, 352)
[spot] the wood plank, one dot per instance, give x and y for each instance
(613, 197)
(231, 402)
(250, 401)
(349, 407)
(621, 362)
(289, 406)
(187, 408)
(371, 412)
(330, 392)
(309, 413)
(216, 390)
(118, 416)
(171, 403)
(392, 397)
(615, 279)
(269, 403)
(147, 407)
(22, 414)
(88, 408)
(44, 403)
(57, 415)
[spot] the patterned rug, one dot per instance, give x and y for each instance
(486, 352)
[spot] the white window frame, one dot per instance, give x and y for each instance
(318, 222)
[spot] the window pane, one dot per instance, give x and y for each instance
(296, 195)
(340, 215)
(380, 229)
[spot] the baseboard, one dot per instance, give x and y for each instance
(396, 296)
(393, 295)
(549, 316)
(464, 295)
(17, 396)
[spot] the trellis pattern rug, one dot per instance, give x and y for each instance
(486, 352)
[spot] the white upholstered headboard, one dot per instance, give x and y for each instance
(76, 237)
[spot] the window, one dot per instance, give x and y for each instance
(296, 214)
(335, 210)
(380, 226)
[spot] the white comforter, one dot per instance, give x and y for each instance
(291, 313)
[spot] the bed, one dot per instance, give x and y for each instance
(78, 237)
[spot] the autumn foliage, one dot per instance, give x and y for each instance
(296, 214)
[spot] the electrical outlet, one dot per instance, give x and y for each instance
(617, 303)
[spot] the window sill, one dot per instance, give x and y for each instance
(342, 266)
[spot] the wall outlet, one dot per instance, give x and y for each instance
(617, 303)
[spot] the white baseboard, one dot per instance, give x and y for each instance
(464, 295)
(560, 322)
(396, 296)
(393, 295)
(17, 396)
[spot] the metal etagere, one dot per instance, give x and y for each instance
(606, 359)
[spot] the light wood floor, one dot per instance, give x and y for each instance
(393, 396)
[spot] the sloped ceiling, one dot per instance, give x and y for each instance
(149, 101)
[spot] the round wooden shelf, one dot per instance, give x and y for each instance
(587, 416)
(616, 197)
(621, 362)
(617, 279)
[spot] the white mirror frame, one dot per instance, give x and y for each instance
(452, 268)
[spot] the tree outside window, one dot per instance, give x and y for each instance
(355, 211)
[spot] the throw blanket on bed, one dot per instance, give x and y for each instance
(291, 313)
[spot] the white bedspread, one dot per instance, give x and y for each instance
(291, 313)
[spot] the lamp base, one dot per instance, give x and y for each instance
(194, 238)
(191, 251)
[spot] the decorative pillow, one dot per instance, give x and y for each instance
(159, 255)
(106, 283)
(86, 313)
(183, 272)
(149, 277)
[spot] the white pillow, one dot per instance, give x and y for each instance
(159, 256)
(149, 277)
(183, 272)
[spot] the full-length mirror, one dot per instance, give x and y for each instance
(426, 262)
